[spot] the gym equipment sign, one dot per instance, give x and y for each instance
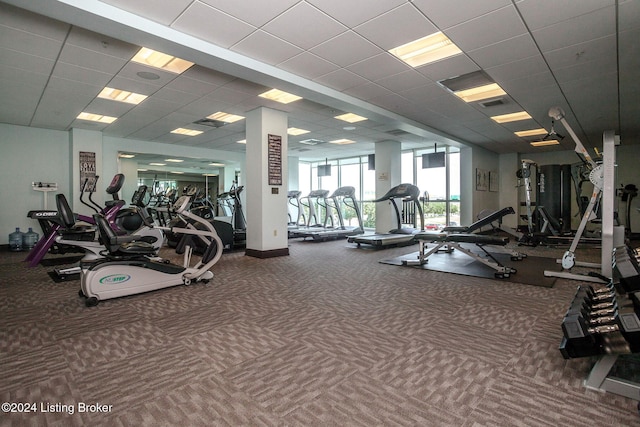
(275, 159)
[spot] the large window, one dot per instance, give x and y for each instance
(441, 185)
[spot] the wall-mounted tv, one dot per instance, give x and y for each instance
(433, 160)
(324, 170)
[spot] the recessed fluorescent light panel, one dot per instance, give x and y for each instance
(473, 87)
(531, 132)
(543, 143)
(242, 141)
(96, 117)
(177, 172)
(511, 117)
(279, 96)
(342, 141)
(127, 156)
(350, 118)
(157, 164)
(296, 131)
(161, 60)
(225, 117)
(481, 92)
(187, 132)
(428, 49)
(216, 164)
(174, 160)
(121, 95)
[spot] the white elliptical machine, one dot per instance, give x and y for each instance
(128, 267)
(93, 249)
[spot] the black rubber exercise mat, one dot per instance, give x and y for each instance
(530, 271)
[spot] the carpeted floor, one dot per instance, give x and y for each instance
(327, 336)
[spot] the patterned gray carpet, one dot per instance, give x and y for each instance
(326, 336)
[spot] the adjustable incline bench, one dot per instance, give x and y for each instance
(452, 237)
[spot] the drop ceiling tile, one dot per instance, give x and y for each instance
(176, 96)
(209, 24)
(600, 23)
(515, 70)
(192, 86)
(90, 59)
(405, 80)
(503, 52)
(199, 73)
(22, 41)
(543, 13)
(266, 48)
(593, 50)
(22, 61)
(308, 65)
(81, 75)
(368, 91)
(19, 19)
(162, 11)
(357, 12)
(628, 15)
(499, 25)
(341, 79)
(346, 49)
(101, 44)
(423, 94)
(254, 13)
(22, 76)
(305, 26)
(381, 30)
(447, 13)
(378, 66)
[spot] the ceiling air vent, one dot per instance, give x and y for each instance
(397, 132)
(312, 141)
(210, 122)
(492, 102)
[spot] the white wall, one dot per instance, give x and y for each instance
(29, 155)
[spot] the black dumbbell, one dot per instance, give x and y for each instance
(628, 324)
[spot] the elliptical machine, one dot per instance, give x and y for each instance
(61, 234)
(127, 268)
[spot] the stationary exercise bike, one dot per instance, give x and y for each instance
(128, 268)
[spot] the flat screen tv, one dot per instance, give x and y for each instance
(324, 170)
(433, 160)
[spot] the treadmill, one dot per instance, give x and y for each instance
(409, 195)
(316, 198)
(341, 198)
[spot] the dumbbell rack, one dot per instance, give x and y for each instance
(604, 322)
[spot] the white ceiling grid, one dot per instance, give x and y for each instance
(542, 52)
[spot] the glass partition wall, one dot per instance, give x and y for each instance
(439, 182)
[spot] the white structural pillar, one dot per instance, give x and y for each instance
(388, 162)
(266, 183)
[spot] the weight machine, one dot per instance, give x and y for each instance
(602, 177)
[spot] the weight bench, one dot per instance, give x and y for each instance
(447, 242)
(487, 220)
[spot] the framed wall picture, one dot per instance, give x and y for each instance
(482, 180)
(493, 181)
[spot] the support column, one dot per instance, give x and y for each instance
(266, 183)
(388, 162)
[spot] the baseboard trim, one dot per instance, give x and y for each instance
(271, 253)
